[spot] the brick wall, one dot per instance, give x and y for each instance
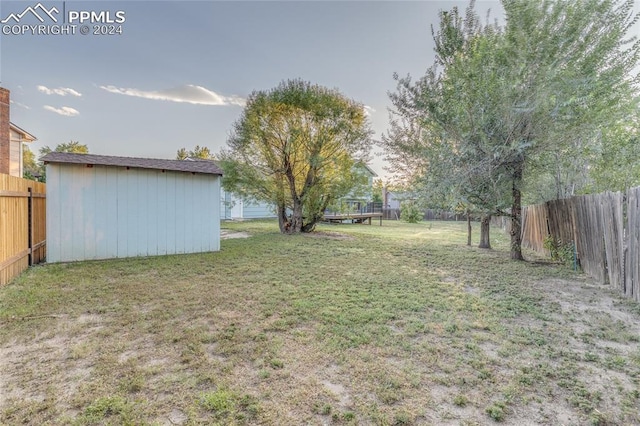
(5, 132)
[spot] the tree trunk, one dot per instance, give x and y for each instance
(295, 222)
(283, 220)
(485, 226)
(311, 222)
(296, 218)
(516, 213)
(468, 228)
(290, 224)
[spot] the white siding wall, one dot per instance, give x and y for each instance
(252, 210)
(15, 158)
(105, 212)
(234, 207)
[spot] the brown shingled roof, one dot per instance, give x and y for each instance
(195, 166)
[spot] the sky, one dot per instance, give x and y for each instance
(176, 73)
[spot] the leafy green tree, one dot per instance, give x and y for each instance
(201, 152)
(433, 141)
(71, 146)
(616, 166)
(377, 191)
(296, 146)
(604, 160)
(498, 97)
(30, 167)
(571, 86)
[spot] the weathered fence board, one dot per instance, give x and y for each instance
(611, 211)
(535, 227)
(562, 220)
(22, 225)
(607, 245)
(589, 233)
(632, 259)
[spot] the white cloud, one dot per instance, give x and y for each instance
(19, 104)
(62, 91)
(368, 110)
(188, 93)
(66, 111)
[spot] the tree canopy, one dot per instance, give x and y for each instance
(200, 152)
(35, 170)
(71, 146)
(296, 146)
(501, 101)
(30, 167)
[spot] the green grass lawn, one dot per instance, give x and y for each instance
(394, 325)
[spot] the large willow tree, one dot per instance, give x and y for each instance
(296, 146)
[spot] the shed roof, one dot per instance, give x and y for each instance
(196, 166)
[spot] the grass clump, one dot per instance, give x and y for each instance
(323, 409)
(109, 407)
(220, 401)
(497, 411)
(460, 400)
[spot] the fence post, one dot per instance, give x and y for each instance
(30, 227)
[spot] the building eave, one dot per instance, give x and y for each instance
(26, 136)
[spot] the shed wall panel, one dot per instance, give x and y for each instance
(131, 214)
(111, 203)
(152, 205)
(105, 212)
(163, 214)
(53, 215)
(89, 216)
(121, 201)
(101, 214)
(170, 219)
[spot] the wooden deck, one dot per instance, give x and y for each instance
(363, 218)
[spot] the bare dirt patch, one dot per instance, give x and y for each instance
(330, 235)
(226, 234)
(22, 363)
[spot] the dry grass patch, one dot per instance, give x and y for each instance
(393, 325)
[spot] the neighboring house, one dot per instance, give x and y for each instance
(369, 174)
(392, 199)
(361, 196)
(234, 207)
(11, 139)
(101, 207)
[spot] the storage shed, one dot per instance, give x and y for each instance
(101, 207)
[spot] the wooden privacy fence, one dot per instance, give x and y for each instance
(22, 225)
(604, 228)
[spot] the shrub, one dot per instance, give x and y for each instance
(409, 212)
(560, 252)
